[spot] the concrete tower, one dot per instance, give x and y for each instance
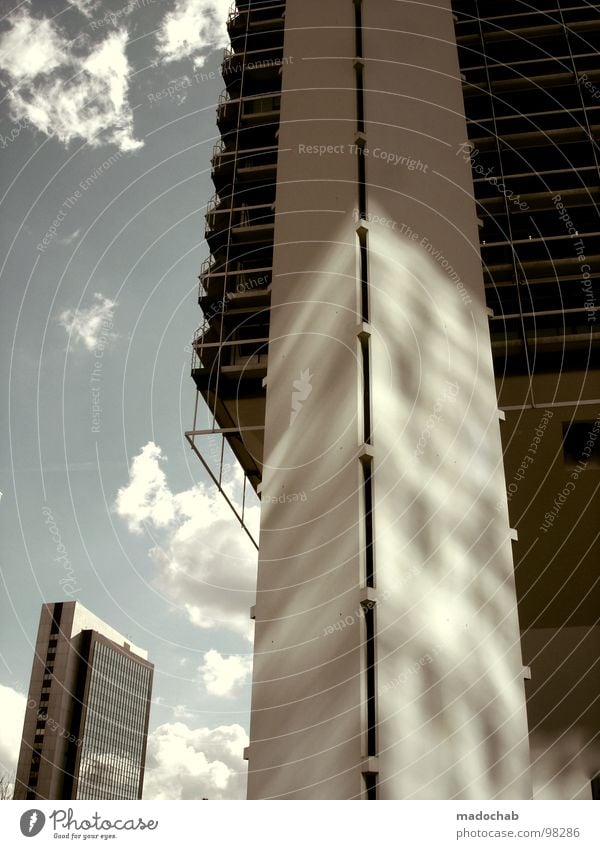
(345, 245)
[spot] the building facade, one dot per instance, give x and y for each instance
(384, 326)
(86, 721)
(531, 84)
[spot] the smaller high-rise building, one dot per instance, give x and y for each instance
(86, 722)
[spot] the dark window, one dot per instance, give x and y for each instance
(369, 614)
(596, 788)
(360, 100)
(370, 785)
(364, 274)
(362, 184)
(358, 27)
(54, 629)
(581, 443)
(369, 540)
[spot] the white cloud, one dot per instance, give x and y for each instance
(192, 29)
(186, 763)
(31, 46)
(205, 562)
(224, 676)
(69, 239)
(147, 497)
(12, 711)
(86, 7)
(65, 94)
(92, 326)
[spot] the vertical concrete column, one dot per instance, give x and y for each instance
(451, 694)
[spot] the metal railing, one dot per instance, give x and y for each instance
(235, 12)
(237, 281)
(252, 59)
(218, 148)
(246, 158)
(231, 351)
(240, 217)
(270, 98)
(212, 204)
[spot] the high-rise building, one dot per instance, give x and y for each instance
(532, 99)
(399, 347)
(86, 721)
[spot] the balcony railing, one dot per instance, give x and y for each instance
(252, 60)
(243, 218)
(242, 348)
(256, 157)
(224, 97)
(219, 148)
(236, 12)
(253, 105)
(213, 203)
(237, 282)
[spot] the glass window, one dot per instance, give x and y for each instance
(113, 736)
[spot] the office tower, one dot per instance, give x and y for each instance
(86, 722)
(346, 358)
(532, 99)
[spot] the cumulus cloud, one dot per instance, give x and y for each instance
(91, 326)
(147, 497)
(196, 763)
(31, 46)
(205, 563)
(12, 711)
(86, 7)
(64, 93)
(192, 30)
(225, 676)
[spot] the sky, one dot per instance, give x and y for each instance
(107, 124)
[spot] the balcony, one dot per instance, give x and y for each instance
(257, 66)
(255, 165)
(229, 363)
(257, 109)
(231, 385)
(241, 351)
(240, 283)
(263, 15)
(244, 224)
(552, 340)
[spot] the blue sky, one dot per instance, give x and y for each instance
(106, 131)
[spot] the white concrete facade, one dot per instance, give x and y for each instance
(450, 702)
